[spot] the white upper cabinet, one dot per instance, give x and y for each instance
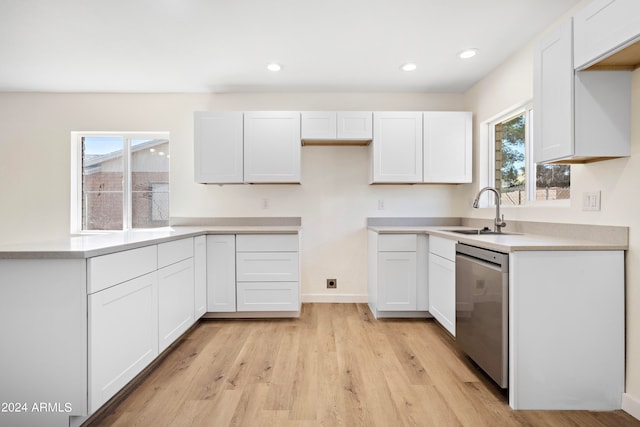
(447, 147)
(337, 128)
(604, 27)
(553, 96)
(397, 147)
(318, 125)
(354, 125)
(272, 147)
(579, 116)
(218, 147)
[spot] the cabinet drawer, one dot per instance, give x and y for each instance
(108, 270)
(267, 243)
(446, 248)
(397, 242)
(267, 267)
(268, 296)
(172, 252)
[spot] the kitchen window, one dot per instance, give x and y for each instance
(511, 166)
(120, 181)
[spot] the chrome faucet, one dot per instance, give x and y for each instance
(498, 222)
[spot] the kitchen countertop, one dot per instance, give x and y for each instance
(90, 245)
(505, 242)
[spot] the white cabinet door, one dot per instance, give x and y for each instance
(397, 147)
(447, 146)
(123, 335)
(553, 96)
(200, 276)
(354, 125)
(175, 301)
(604, 26)
(272, 147)
(442, 291)
(221, 273)
(319, 125)
(397, 281)
(579, 116)
(218, 147)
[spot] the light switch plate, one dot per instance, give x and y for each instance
(591, 201)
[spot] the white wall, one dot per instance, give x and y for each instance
(334, 199)
(511, 84)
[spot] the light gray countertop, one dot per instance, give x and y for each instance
(506, 242)
(90, 245)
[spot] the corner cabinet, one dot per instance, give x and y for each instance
(233, 147)
(272, 147)
(581, 116)
(398, 275)
(414, 147)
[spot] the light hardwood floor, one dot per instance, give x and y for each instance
(335, 366)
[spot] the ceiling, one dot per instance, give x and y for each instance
(225, 45)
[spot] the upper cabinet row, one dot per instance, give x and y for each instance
(584, 114)
(264, 147)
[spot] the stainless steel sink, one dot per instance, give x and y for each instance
(480, 232)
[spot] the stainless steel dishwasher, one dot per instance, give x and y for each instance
(482, 309)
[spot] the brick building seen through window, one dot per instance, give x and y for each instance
(125, 182)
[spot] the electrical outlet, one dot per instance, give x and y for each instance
(332, 283)
(265, 203)
(380, 204)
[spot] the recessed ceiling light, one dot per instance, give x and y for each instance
(274, 67)
(409, 66)
(468, 53)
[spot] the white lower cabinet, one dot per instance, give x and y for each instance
(221, 273)
(133, 321)
(175, 301)
(253, 273)
(398, 275)
(267, 272)
(397, 278)
(442, 282)
(123, 335)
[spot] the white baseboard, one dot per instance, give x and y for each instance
(631, 405)
(343, 298)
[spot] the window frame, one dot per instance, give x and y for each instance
(76, 220)
(488, 161)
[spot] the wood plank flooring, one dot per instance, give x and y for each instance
(335, 366)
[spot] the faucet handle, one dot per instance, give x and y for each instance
(501, 223)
